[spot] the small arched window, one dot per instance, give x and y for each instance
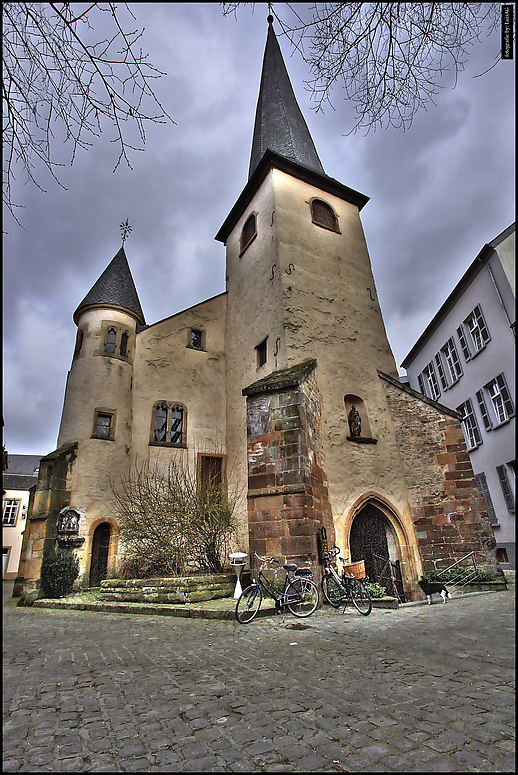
(124, 344)
(248, 234)
(323, 215)
(111, 336)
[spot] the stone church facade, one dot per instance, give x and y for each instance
(286, 380)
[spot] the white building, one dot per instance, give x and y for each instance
(21, 474)
(465, 360)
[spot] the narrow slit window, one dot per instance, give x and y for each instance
(124, 344)
(261, 353)
(248, 234)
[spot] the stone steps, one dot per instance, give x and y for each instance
(175, 590)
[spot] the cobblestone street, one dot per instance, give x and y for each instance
(419, 688)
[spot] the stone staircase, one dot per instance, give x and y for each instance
(175, 590)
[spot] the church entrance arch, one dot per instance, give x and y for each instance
(373, 539)
(100, 551)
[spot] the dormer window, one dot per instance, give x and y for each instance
(323, 215)
(248, 234)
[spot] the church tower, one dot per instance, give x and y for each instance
(308, 359)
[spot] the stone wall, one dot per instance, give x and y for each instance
(287, 491)
(447, 508)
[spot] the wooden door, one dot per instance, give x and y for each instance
(100, 550)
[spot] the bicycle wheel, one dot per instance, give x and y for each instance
(332, 591)
(305, 596)
(361, 597)
(248, 604)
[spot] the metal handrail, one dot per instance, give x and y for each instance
(469, 573)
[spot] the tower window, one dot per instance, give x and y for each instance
(248, 234)
(111, 336)
(323, 215)
(169, 424)
(104, 425)
(261, 353)
(196, 339)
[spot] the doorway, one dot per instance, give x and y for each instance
(373, 540)
(100, 551)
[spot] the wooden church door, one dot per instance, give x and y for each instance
(100, 550)
(368, 541)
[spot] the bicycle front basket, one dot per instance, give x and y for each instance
(356, 569)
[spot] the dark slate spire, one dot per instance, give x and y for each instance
(115, 288)
(279, 123)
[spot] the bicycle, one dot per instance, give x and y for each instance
(299, 594)
(338, 590)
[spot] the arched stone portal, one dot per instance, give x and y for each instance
(100, 552)
(374, 540)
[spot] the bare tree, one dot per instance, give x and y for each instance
(173, 519)
(56, 81)
(388, 57)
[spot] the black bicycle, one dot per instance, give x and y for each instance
(350, 586)
(299, 594)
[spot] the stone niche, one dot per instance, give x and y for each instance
(288, 501)
(68, 527)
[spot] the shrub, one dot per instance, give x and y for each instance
(59, 570)
(376, 590)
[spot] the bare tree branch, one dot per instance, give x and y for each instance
(389, 58)
(57, 85)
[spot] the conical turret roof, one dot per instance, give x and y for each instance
(279, 123)
(114, 288)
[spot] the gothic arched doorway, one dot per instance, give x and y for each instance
(100, 551)
(373, 539)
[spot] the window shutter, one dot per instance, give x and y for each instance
(455, 357)
(481, 324)
(484, 491)
(441, 371)
(463, 343)
(506, 488)
(421, 384)
(483, 410)
(323, 215)
(505, 395)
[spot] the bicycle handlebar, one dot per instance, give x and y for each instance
(266, 559)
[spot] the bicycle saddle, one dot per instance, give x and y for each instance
(290, 566)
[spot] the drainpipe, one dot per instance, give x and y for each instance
(485, 261)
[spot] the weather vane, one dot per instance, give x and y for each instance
(125, 230)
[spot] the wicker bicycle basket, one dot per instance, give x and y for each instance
(356, 569)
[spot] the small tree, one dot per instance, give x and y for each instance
(172, 519)
(59, 570)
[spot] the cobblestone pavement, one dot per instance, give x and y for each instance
(424, 688)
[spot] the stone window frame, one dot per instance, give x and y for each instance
(10, 518)
(120, 329)
(169, 406)
(328, 208)
(190, 345)
(261, 353)
(104, 412)
(248, 234)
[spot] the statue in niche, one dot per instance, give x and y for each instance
(355, 422)
(68, 522)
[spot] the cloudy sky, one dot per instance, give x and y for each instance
(439, 192)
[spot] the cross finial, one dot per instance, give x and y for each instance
(125, 230)
(269, 18)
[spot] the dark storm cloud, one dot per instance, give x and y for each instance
(438, 192)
